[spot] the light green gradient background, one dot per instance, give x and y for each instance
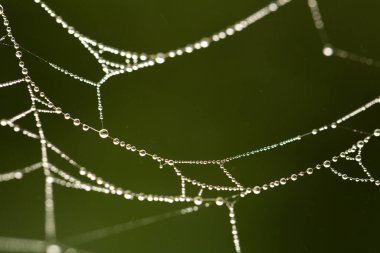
(260, 87)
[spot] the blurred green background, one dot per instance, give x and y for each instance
(260, 87)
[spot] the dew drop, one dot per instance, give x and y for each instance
(160, 58)
(53, 248)
(360, 144)
(18, 54)
(142, 152)
(58, 110)
(204, 43)
(198, 200)
(85, 127)
(141, 196)
(328, 51)
(76, 122)
(103, 133)
(128, 195)
(376, 132)
(256, 190)
(219, 201)
(18, 175)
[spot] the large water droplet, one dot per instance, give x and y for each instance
(53, 248)
(85, 127)
(160, 58)
(219, 201)
(328, 51)
(256, 190)
(76, 122)
(103, 133)
(198, 200)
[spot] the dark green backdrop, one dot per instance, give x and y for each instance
(266, 84)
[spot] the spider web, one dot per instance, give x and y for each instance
(85, 179)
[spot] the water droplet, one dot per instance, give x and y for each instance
(198, 200)
(66, 116)
(283, 181)
(189, 49)
(18, 54)
(376, 132)
(315, 131)
(219, 201)
(18, 175)
(294, 177)
(142, 152)
(273, 7)
(128, 195)
(160, 58)
(326, 164)
(103, 133)
(377, 182)
(328, 51)
(309, 171)
(360, 144)
(85, 127)
(141, 196)
(53, 248)
(204, 43)
(116, 141)
(358, 158)
(76, 122)
(256, 189)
